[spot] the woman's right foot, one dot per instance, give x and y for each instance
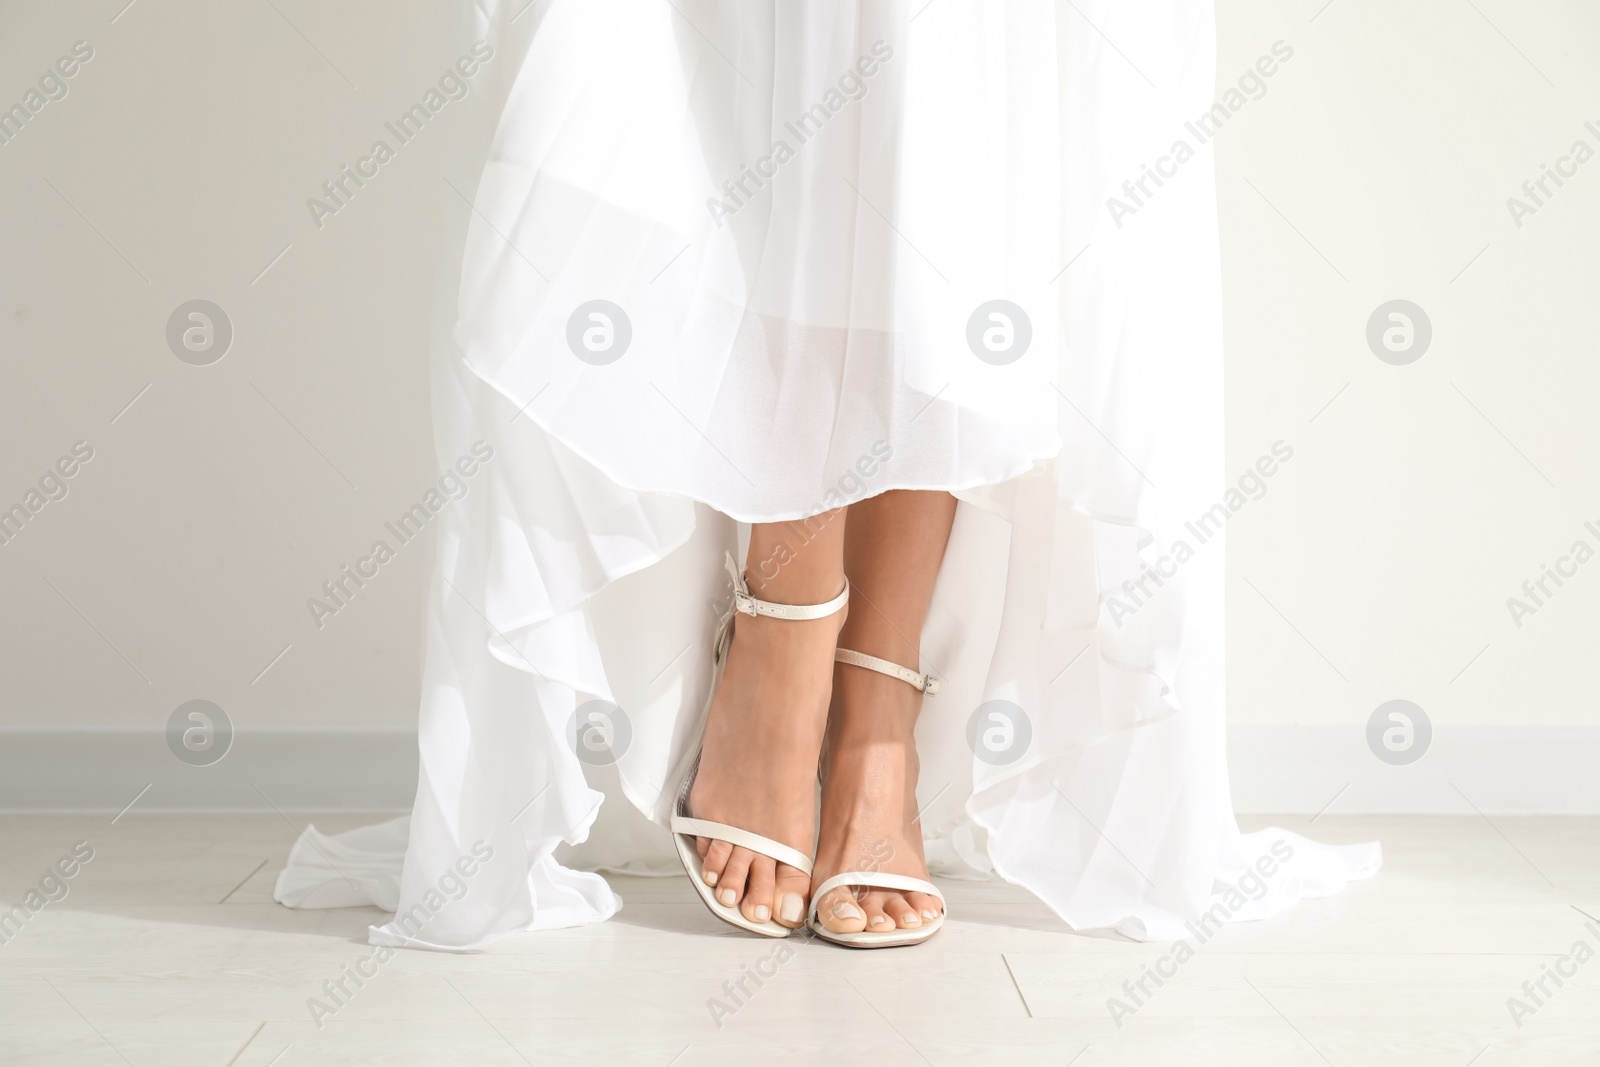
(758, 767)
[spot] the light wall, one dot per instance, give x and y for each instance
(178, 167)
(1378, 166)
(1375, 166)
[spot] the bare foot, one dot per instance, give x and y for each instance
(758, 770)
(869, 804)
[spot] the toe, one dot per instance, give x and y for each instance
(713, 858)
(878, 920)
(841, 913)
(789, 896)
(757, 905)
(731, 882)
(900, 910)
(926, 904)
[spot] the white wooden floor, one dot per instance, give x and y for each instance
(168, 950)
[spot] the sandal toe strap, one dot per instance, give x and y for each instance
(683, 824)
(876, 880)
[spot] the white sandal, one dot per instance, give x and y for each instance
(685, 828)
(928, 686)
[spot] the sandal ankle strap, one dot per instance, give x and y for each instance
(926, 683)
(745, 604)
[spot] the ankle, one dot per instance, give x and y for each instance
(871, 634)
(793, 649)
(869, 704)
(795, 584)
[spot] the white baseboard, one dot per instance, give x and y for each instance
(1274, 770)
(1548, 770)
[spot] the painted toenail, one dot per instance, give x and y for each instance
(728, 896)
(927, 914)
(791, 907)
(711, 878)
(882, 920)
(847, 911)
(763, 913)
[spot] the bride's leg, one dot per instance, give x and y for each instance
(758, 770)
(892, 552)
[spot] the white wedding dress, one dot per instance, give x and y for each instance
(841, 248)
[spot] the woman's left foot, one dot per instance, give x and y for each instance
(869, 804)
